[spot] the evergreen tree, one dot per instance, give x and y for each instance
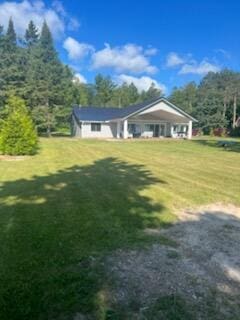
(104, 88)
(31, 34)
(49, 53)
(12, 65)
(185, 97)
(11, 34)
(48, 85)
(17, 133)
(151, 93)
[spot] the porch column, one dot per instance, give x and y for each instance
(118, 129)
(125, 129)
(190, 130)
(171, 130)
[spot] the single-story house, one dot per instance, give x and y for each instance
(157, 118)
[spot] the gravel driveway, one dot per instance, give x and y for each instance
(202, 270)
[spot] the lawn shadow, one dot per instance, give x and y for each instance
(221, 144)
(55, 229)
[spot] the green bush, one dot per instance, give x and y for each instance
(235, 132)
(17, 135)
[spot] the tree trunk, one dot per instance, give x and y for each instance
(224, 107)
(234, 111)
(48, 120)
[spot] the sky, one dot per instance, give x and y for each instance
(168, 43)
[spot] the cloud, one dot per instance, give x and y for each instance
(26, 10)
(73, 24)
(77, 50)
(142, 83)
(188, 65)
(79, 78)
(224, 53)
(173, 60)
(130, 57)
(150, 52)
(201, 68)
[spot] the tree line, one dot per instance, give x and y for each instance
(214, 101)
(30, 69)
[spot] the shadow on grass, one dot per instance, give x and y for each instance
(55, 230)
(221, 144)
(56, 134)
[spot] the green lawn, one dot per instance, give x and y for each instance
(63, 210)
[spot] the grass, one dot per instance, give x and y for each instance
(63, 210)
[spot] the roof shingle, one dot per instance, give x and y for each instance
(107, 113)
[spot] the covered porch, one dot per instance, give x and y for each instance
(158, 121)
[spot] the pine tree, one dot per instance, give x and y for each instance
(31, 34)
(48, 84)
(49, 53)
(104, 88)
(12, 65)
(17, 134)
(11, 34)
(152, 93)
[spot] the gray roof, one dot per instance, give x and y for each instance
(108, 113)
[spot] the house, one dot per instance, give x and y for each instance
(157, 118)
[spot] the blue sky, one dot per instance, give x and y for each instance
(167, 42)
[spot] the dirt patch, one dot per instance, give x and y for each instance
(12, 158)
(203, 269)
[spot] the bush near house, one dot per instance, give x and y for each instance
(235, 132)
(219, 132)
(17, 135)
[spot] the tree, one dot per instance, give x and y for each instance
(152, 93)
(31, 34)
(11, 34)
(12, 65)
(48, 84)
(185, 97)
(104, 88)
(17, 134)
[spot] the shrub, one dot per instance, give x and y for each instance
(235, 132)
(17, 135)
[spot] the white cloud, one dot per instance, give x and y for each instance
(173, 60)
(199, 68)
(129, 57)
(77, 50)
(58, 6)
(150, 52)
(142, 83)
(224, 53)
(73, 24)
(79, 78)
(22, 12)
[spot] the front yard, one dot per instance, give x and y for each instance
(72, 214)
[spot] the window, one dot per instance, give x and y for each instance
(95, 126)
(183, 129)
(175, 128)
(131, 127)
(149, 127)
(134, 128)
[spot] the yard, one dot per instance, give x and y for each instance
(73, 214)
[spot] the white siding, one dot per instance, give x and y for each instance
(76, 128)
(162, 106)
(108, 130)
